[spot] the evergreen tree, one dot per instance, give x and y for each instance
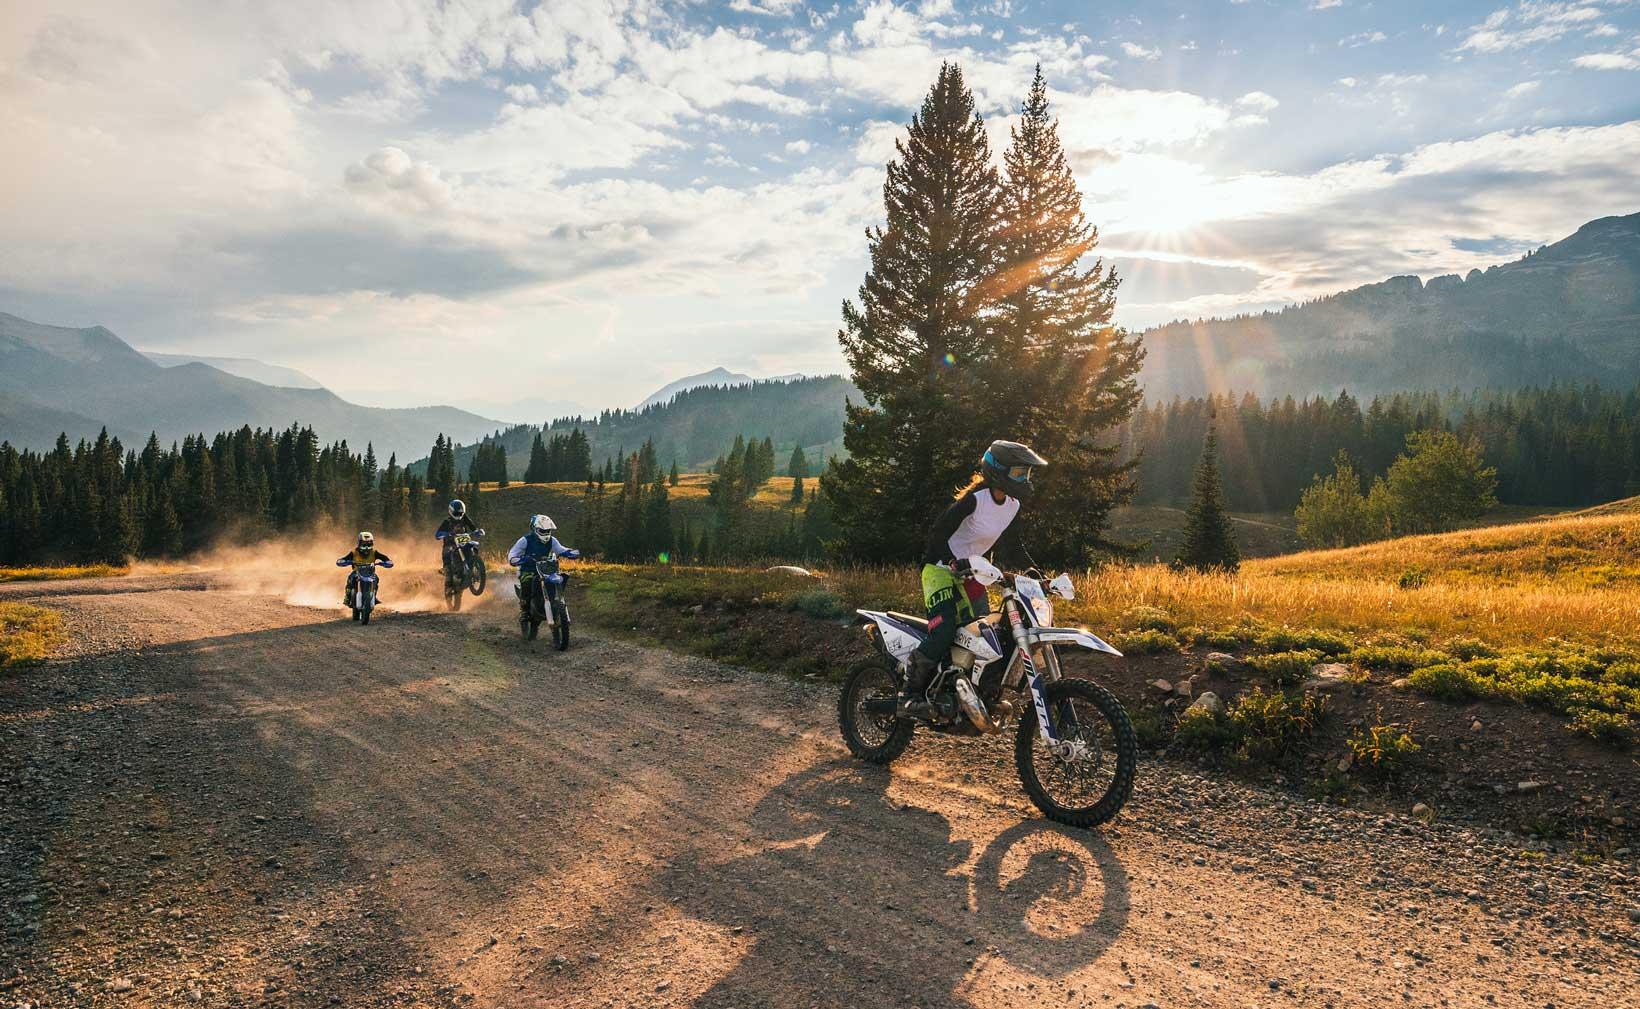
(798, 465)
(797, 491)
(672, 478)
(1066, 377)
(916, 343)
(658, 520)
(1209, 542)
(537, 470)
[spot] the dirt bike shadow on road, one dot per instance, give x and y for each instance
(851, 898)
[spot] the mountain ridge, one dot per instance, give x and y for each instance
(1567, 311)
(88, 378)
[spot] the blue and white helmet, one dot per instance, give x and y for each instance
(542, 526)
(458, 509)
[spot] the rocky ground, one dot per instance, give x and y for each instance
(219, 799)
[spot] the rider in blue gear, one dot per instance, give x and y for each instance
(460, 521)
(535, 545)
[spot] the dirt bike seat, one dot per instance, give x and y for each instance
(919, 623)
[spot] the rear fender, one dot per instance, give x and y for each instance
(1073, 636)
(894, 642)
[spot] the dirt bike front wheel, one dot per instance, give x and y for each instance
(1090, 777)
(453, 599)
(560, 627)
(478, 577)
(874, 737)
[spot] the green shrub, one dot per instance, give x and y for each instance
(1412, 578)
(1204, 732)
(1624, 674)
(1289, 639)
(1148, 726)
(1148, 618)
(1146, 642)
(1400, 658)
(1275, 726)
(1382, 749)
(820, 603)
(1222, 638)
(1448, 681)
(1285, 669)
(1470, 648)
(1606, 726)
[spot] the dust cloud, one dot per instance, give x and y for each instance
(302, 571)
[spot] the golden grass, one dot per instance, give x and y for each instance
(28, 634)
(1574, 578)
(45, 574)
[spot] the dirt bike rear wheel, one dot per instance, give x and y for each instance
(452, 599)
(1089, 790)
(877, 739)
(355, 616)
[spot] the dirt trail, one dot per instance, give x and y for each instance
(222, 799)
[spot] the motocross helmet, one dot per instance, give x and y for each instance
(1007, 466)
(458, 509)
(542, 526)
(367, 541)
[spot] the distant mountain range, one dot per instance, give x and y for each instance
(244, 367)
(1569, 312)
(717, 376)
(694, 426)
(56, 379)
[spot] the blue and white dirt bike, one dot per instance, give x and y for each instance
(362, 600)
(1074, 746)
(537, 608)
(463, 568)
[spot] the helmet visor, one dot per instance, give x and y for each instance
(1020, 472)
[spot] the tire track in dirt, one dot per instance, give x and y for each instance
(457, 817)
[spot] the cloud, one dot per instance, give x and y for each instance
(1359, 221)
(799, 147)
(1530, 23)
(1523, 89)
(1322, 5)
(1139, 52)
(1609, 61)
(1362, 39)
(1258, 100)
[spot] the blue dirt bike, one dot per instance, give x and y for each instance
(463, 568)
(538, 608)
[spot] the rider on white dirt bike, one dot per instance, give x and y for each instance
(980, 519)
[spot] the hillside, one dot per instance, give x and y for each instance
(54, 378)
(1569, 312)
(697, 425)
(244, 367)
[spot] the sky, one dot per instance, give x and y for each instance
(478, 201)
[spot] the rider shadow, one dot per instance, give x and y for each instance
(854, 900)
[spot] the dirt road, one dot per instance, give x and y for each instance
(221, 799)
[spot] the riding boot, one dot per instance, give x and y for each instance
(920, 672)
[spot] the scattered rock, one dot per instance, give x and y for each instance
(1420, 810)
(1220, 662)
(1164, 686)
(1401, 684)
(1208, 702)
(1531, 786)
(120, 984)
(1328, 676)
(1475, 726)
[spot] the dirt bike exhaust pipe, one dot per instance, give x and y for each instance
(968, 700)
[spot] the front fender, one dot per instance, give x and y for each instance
(1074, 636)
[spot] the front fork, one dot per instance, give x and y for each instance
(1034, 677)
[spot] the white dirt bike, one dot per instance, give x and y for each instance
(1074, 746)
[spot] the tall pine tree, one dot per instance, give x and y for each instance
(1066, 377)
(916, 343)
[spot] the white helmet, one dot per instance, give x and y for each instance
(542, 526)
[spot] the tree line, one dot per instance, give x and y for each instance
(100, 501)
(1555, 446)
